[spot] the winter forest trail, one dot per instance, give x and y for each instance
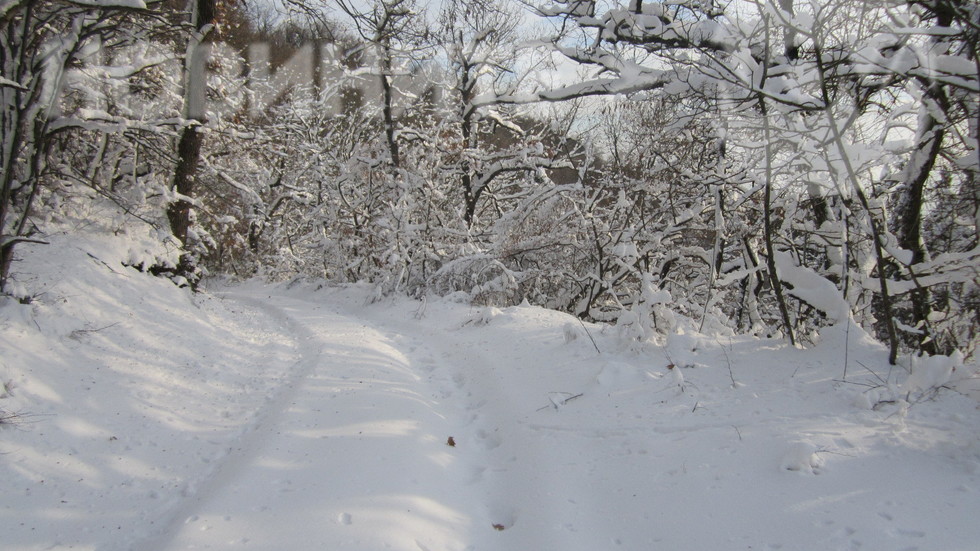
(351, 455)
(352, 451)
(316, 418)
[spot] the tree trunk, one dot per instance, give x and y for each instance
(189, 146)
(908, 229)
(388, 108)
(909, 223)
(777, 284)
(876, 229)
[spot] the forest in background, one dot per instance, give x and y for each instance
(763, 167)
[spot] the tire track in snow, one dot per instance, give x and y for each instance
(243, 443)
(349, 453)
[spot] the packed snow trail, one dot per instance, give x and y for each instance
(355, 458)
(307, 418)
(353, 452)
(638, 458)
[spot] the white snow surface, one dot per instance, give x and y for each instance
(304, 417)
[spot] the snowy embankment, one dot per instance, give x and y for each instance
(300, 417)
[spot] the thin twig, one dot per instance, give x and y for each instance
(669, 359)
(13, 418)
(420, 312)
(100, 261)
(823, 450)
(855, 383)
(563, 402)
(728, 359)
(873, 373)
(79, 332)
(570, 398)
(587, 332)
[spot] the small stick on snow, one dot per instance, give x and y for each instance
(79, 332)
(587, 332)
(556, 403)
(825, 450)
(873, 373)
(856, 383)
(728, 360)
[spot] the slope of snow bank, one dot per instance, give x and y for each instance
(129, 392)
(301, 417)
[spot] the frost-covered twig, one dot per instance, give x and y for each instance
(559, 399)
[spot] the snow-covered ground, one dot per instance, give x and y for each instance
(303, 417)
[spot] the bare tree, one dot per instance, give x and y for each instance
(823, 82)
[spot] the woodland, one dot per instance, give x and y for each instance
(760, 167)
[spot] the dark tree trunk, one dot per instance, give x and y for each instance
(908, 227)
(189, 146)
(388, 108)
(188, 160)
(777, 284)
(909, 216)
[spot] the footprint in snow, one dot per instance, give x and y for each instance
(489, 440)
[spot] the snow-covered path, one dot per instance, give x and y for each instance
(308, 418)
(352, 451)
(353, 455)
(356, 455)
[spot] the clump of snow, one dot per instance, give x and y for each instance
(617, 374)
(802, 457)
(17, 290)
(812, 288)
(631, 326)
(931, 372)
(683, 347)
(483, 316)
(866, 399)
